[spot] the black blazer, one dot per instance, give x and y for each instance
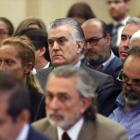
(37, 105)
(102, 82)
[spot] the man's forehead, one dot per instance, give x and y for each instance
(131, 28)
(60, 30)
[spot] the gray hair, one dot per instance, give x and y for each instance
(85, 85)
(135, 36)
(134, 20)
(77, 32)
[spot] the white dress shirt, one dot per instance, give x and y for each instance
(24, 133)
(119, 32)
(72, 132)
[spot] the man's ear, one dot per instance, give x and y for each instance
(85, 103)
(80, 46)
(42, 51)
(28, 67)
(108, 39)
(24, 116)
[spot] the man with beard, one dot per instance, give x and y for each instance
(119, 11)
(128, 111)
(71, 110)
(98, 55)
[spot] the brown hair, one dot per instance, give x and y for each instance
(29, 21)
(82, 10)
(27, 54)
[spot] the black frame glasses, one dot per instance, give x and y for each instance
(132, 86)
(93, 41)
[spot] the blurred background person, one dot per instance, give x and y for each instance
(81, 12)
(135, 40)
(14, 110)
(39, 39)
(6, 28)
(119, 11)
(30, 22)
(17, 56)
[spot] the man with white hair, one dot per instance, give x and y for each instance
(135, 39)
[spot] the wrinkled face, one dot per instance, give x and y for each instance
(131, 75)
(99, 53)
(127, 32)
(8, 128)
(62, 47)
(64, 104)
(118, 9)
(11, 62)
(3, 31)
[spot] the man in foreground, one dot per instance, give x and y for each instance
(71, 110)
(14, 110)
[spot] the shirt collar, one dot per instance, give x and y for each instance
(105, 64)
(123, 22)
(72, 132)
(47, 65)
(78, 64)
(24, 133)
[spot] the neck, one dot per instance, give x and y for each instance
(41, 64)
(96, 65)
(121, 18)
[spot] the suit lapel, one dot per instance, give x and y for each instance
(83, 66)
(51, 132)
(88, 131)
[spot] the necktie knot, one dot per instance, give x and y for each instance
(65, 136)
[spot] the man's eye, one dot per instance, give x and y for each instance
(50, 42)
(61, 40)
(63, 98)
(123, 38)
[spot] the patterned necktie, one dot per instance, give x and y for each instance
(65, 136)
(114, 36)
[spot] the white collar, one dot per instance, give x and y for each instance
(123, 22)
(72, 132)
(47, 65)
(23, 133)
(78, 64)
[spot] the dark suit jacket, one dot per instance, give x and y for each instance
(113, 48)
(34, 135)
(100, 129)
(114, 66)
(103, 82)
(37, 105)
(110, 28)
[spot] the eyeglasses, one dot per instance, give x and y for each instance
(93, 41)
(121, 77)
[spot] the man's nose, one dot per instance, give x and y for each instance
(54, 104)
(88, 46)
(2, 67)
(56, 46)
